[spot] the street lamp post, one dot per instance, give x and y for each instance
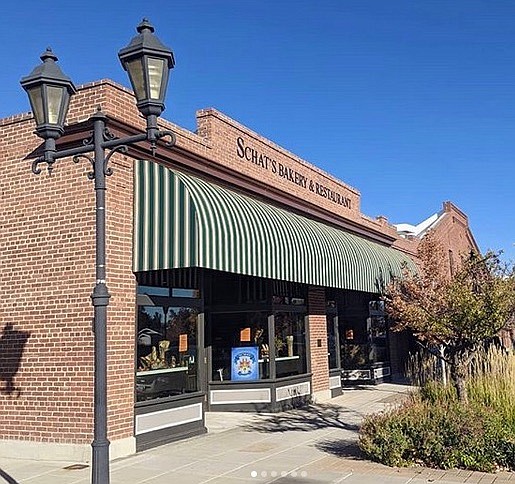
(148, 63)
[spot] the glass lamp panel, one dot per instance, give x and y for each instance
(36, 102)
(136, 74)
(155, 76)
(55, 99)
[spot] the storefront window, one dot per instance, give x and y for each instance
(365, 342)
(355, 355)
(166, 362)
(377, 336)
(290, 343)
(240, 348)
(332, 342)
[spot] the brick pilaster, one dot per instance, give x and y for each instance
(318, 338)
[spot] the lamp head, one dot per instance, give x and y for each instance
(49, 92)
(148, 63)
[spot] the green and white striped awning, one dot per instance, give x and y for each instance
(184, 221)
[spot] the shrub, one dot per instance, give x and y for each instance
(434, 429)
(383, 438)
(443, 434)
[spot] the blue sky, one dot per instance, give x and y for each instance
(411, 102)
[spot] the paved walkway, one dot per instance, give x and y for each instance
(303, 446)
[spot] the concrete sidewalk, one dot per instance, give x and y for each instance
(304, 446)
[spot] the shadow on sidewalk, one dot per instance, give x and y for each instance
(310, 417)
(7, 477)
(346, 449)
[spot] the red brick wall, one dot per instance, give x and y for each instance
(122, 306)
(46, 251)
(47, 248)
(453, 232)
(318, 335)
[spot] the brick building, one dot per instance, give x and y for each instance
(241, 278)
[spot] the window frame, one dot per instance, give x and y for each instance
(172, 302)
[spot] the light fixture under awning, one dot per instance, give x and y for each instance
(184, 221)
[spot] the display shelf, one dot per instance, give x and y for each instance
(161, 370)
(285, 358)
(281, 358)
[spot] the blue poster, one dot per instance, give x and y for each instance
(244, 363)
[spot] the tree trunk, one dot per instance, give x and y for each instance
(443, 365)
(458, 373)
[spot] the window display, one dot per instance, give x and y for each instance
(377, 336)
(240, 331)
(366, 344)
(332, 341)
(231, 331)
(166, 362)
(290, 344)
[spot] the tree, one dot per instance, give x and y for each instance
(457, 311)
